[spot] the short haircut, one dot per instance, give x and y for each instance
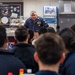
(49, 47)
(3, 35)
(51, 29)
(21, 33)
(68, 37)
(42, 30)
(32, 12)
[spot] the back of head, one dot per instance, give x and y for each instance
(2, 36)
(50, 29)
(68, 37)
(42, 30)
(49, 48)
(21, 33)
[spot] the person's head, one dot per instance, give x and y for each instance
(33, 15)
(31, 35)
(21, 34)
(51, 29)
(42, 30)
(49, 49)
(73, 27)
(68, 37)
(3, 37)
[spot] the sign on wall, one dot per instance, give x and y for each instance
(50, 10)
(50, 15)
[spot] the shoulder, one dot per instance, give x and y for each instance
(69, 61)
(23, 48)
(28, 19)
(70, 56)
(31, 48)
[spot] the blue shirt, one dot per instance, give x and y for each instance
(35, 25)
(43, 72)
(68, 66)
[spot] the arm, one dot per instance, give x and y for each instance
(26, 24)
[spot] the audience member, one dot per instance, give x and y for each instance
(67, 67)
(49, 53)
(42, 30)
(34, 22)
(31, 35)
(36, 35)
(8, 63)
(23, 50)
(51, 29)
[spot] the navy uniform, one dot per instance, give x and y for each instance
(46, 72)
(35, 25)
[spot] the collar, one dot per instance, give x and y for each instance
(23, 45)
(47, 72)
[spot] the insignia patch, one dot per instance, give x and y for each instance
(38, 23)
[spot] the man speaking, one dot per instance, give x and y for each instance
(34, 22)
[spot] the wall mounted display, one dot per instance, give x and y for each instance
(50, 15)
(49, 10)
(10, 10)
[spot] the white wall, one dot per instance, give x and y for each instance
(37, 5)
(11, 0)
